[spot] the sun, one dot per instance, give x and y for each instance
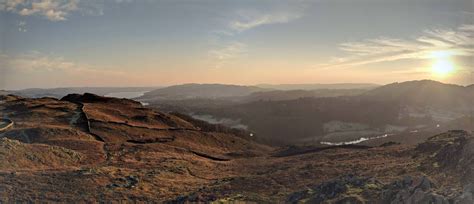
(443, 65)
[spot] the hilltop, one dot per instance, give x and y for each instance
(426, 93)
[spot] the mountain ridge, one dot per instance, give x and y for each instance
(425, 93)
(314, 86)
(189, 91)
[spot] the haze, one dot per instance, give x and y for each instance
(47, 43)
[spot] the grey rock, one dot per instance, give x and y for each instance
(467, 197)
(410, 191)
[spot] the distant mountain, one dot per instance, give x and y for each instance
(281, 95)
(426, 93)
(203, 91)
(2, 92)
(286, 116)
(318, 86)
(61, 92)
(463, 123)
(471, 88)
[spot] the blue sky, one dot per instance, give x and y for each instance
(58, 43)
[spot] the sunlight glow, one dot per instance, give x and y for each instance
(442, 65)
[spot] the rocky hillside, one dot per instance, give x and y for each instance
(87, 148)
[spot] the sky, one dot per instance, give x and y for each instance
(65, 43)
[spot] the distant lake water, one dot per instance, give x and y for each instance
(128, 94)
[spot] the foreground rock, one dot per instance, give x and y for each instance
(16, 155)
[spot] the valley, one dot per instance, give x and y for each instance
(335, 115)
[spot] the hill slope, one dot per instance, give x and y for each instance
(279, 95)
(426, 93)
(318, 86)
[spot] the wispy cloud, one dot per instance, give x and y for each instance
(54, 10)
(22, 26)
(457, 42)
(226, 47)
(227, 52)
(34, 69)
(34, 61)
(248, 19)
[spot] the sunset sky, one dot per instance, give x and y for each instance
(62, 43)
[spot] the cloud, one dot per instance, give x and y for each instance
(35, 69)
(22, 26)
(54, 10)
(456, 42)
(34, 61)
(249, 19)
(225, 48)
(226, 53)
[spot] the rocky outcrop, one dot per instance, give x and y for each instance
(9, 97)
(411, 190)
(353, 189)
(92, 98)
(467, 196)
(449, 152)
(16, 155)
(344, 189)
(125, 182)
